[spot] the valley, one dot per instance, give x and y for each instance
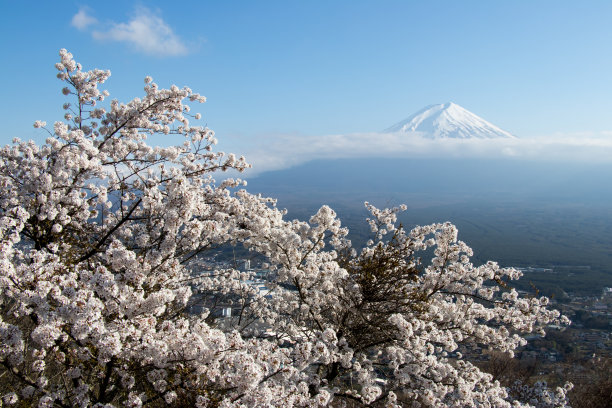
(512, 212)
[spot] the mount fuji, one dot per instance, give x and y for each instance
(448, 120)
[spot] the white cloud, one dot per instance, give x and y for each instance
(145, 31)
(82, 20)
(286, 151)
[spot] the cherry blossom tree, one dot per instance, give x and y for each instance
(100, 242)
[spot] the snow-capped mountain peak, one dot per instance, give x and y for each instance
(448, 120)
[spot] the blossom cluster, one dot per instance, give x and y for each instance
(100, 237)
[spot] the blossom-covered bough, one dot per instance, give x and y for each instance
(100, 238)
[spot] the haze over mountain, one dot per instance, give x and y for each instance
(442, 154)
(444, 131)
(448, 120)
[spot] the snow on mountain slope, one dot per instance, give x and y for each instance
(448, 120)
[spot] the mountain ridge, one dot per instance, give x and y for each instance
(448, 121)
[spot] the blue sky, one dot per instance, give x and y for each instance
(313, 68)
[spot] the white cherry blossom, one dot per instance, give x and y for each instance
(100, 243)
